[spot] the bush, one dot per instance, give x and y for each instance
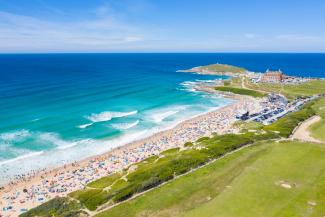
(91, 198)
(125, 193)
(188, 144)
(150, 183)
(59, 207)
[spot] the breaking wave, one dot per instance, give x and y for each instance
(125, 126)
(108, 115)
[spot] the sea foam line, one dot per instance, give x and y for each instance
(108, 115)
(32, 154)
(125, 126)
(105, 116)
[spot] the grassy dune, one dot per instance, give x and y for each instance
(245, 183)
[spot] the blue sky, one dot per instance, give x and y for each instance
(162, 26)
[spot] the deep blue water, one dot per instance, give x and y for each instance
(56, 107)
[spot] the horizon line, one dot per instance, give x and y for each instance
(169, 52)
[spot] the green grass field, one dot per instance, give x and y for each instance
(223, 68)
(317, 130)
(240, 91)
(291, 91)
(244, 183)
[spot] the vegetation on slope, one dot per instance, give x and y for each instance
(240, 91)
(57, 207)
(249, 182)
(172, 163)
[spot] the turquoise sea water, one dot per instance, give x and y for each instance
(59, 108)
(56, 108)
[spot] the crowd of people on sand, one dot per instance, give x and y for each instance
(30, 190)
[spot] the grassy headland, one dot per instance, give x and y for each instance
(223, 68)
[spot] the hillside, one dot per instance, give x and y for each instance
(261, 180)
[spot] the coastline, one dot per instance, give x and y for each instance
(92, 168)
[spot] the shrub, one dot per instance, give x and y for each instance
(125, 193)
(188, 144)
(59, 207)
(150, 183)
(91, 198)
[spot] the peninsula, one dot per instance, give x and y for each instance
(217, 69)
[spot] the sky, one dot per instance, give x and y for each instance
(33, 26)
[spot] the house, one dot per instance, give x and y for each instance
(273, 77)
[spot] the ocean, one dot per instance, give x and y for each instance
(58, 108)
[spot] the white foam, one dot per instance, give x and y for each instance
(15, 135)
(159, 115)
(109, 115)
(189, 86)
(31, 154)
(85, 125)
(125, 126)
(52, 138)
(75, 143)
(162, 116)
(188, 83)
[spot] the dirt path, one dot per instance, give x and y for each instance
(243, 85)
(302, 133)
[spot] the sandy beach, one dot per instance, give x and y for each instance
(33, 189)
